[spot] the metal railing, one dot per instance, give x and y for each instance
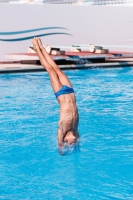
(59, 1)
(108, 2)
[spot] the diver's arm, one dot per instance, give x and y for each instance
(60, 138)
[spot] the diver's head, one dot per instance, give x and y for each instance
(70, 144)
(69, 138)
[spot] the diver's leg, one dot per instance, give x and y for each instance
(55, 82)
(62, 77)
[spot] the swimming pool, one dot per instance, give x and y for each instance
(30, 166)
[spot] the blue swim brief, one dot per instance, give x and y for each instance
(64, 90)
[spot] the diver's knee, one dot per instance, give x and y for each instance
(51, 70)
(59, 72)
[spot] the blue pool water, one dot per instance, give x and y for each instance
(30, 166)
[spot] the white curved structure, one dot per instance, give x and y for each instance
(64, 25)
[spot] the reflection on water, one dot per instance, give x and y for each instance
(30, 166)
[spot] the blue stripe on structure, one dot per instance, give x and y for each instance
(30, 37)
(31, 30)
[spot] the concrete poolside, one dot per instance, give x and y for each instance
(18, 67)
(29, 62)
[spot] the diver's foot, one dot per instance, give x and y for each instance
(35, 44)
(40, 43)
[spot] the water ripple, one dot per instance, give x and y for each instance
(31, 167)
